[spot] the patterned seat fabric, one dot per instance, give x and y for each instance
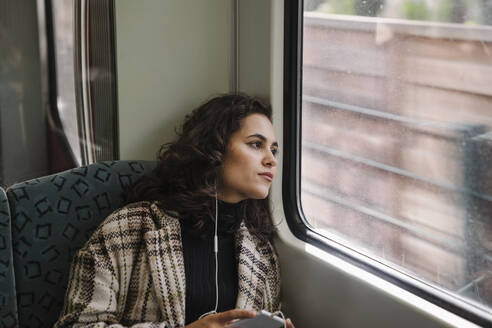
(52, 217)
(8, 305)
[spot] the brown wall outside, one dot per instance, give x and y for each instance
(397, 137)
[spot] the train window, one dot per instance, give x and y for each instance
(63, 35)
(396, 146)
(58, 106)
(23, 144)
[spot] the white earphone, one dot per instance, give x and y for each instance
(216, 251)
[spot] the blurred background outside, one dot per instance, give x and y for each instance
(397, 135)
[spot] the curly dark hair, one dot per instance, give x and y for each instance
(185, 176)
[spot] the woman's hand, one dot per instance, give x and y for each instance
(289, 323)
(219, 320)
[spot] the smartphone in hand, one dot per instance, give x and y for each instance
(263, 319)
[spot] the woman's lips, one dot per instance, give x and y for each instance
(267, 175)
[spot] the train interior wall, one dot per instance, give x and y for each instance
(171, 56)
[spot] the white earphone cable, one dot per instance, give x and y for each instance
(216, 251)
(279, 313)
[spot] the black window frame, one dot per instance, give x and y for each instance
(292, 98)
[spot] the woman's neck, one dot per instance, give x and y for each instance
(228, 214)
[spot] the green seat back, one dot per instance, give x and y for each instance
(52, 217)
(8, 304)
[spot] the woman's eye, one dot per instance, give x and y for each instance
(256, 144)
(274, 151)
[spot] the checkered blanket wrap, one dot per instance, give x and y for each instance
(131, 273)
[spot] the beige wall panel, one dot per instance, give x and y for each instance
(171, 56)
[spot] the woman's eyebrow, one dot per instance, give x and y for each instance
(262, 137)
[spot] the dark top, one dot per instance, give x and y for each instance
(199, 262)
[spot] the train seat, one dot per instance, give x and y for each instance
(52, 217)
(8, 304)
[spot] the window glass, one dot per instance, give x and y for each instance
(23, 145)
(34, 128)
(40, 123)
(397, 136)
(63, 29)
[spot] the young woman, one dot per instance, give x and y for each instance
(155, 262)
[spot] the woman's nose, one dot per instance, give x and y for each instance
(270, 160)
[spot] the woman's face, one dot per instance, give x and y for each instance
(249, 164)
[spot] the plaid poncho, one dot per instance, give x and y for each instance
(131, 273)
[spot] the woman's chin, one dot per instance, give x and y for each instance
(261, 194)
